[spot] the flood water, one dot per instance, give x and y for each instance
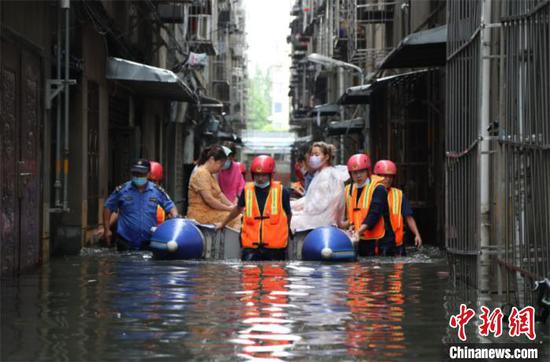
(127, 307)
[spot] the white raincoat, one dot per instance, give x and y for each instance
(323, 203)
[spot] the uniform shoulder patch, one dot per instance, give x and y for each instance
(158, 187)
(120, 187)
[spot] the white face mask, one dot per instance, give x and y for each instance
(315, 162)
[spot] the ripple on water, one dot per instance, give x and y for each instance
(108, 306)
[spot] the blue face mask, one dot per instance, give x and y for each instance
(262, 186)
(226, 165)
(139, 181)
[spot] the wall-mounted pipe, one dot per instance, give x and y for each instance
(65, 4)
(57, 183)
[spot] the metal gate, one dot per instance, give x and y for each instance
(462, 135)
(20, 113)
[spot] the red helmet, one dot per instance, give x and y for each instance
(263, 164)
(385, 167)
(358, 162)
(242, 167)
(156, 171)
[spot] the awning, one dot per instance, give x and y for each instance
(398, 77)
(345, 127)
(325, 109)
(420, 49)
(361, 94)
(209, 102)
(148, 81)
(356, 95)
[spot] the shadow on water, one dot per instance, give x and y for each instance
(108, 306)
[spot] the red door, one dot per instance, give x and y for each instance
(20, 114)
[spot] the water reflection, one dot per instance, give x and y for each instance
(376, 304)
(107, 306)
(265, 300)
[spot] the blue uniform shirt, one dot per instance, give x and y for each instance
(137, 210)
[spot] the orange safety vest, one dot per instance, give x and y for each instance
(357, 211)
(161, 215)
(268, 228)
(395, 202)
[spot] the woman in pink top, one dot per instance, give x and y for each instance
(230, 177)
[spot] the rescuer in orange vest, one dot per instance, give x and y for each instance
(156, 175)
(367, 209)
(265, 205)
(398, 206)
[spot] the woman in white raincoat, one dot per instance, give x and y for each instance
(323, 203)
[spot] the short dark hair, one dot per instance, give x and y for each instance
(215, 151)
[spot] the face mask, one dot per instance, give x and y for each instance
(226, 165)
(139, 181)
(315, 162)
(303, 170)
(262, 186)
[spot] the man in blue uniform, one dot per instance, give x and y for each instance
(136, 203)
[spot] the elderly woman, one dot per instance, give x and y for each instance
(323, 203)
(207, 203)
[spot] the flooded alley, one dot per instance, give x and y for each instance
(274, 180)
(103, 306)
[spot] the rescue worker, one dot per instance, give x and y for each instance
(398, 205)
(136, 202)
(367, 209)
(265, 205)
(156, 176)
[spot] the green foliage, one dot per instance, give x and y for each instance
(259, 100)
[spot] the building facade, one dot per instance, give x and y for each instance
(456, 93)
(94, 85)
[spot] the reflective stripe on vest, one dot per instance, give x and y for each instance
(395, 203)
(270, 228)
(358, 211)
